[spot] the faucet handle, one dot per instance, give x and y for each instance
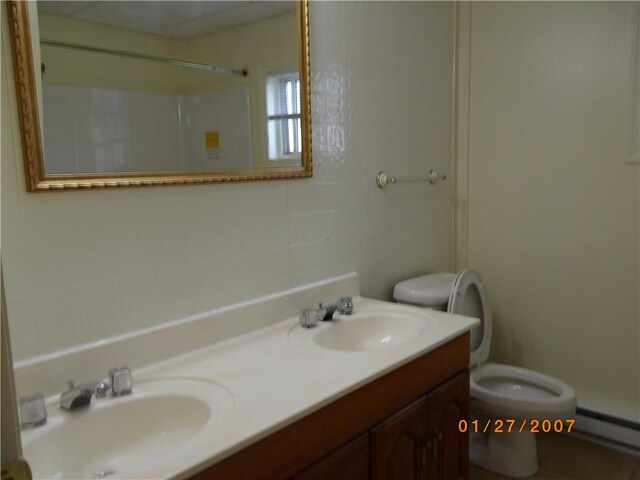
(33, 411)
(121, 381)
(308, 317)
(345, 305)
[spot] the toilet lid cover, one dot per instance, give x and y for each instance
(468, 297)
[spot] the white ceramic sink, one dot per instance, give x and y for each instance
(370, 331)
(115, 437)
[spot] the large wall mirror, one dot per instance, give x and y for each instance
(130, 93)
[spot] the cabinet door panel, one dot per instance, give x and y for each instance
(350, 462)
(398, 445)
(448, 404)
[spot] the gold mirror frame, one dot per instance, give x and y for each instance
(38, 180)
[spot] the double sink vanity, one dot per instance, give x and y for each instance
(247, 392)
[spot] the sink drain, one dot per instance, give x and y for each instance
(103, 474)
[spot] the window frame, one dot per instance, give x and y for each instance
(284, 115)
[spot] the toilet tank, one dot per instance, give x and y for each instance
(431, 290)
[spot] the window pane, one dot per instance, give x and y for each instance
(291, 147)
(284, 132)
(290, 97)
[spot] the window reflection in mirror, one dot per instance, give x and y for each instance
(283, 114)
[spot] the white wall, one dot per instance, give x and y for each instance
(553, 210)
(83, 266)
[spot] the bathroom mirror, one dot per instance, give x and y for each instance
(134, 93)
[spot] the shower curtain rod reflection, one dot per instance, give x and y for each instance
(144, 56)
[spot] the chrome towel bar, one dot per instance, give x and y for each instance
(383, 178)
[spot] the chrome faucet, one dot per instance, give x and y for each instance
(78, 396)
(310, 317)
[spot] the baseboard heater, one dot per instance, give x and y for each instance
(615, 432)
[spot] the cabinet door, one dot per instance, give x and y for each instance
(350, 462)
(449, 452)
(399, 450)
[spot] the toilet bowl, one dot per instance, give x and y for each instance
(535, 402)
(520, 393)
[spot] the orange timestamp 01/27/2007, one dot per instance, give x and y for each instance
(512, 425)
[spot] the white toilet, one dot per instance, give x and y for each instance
(498, 392)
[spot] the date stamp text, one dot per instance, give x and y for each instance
(511, 425)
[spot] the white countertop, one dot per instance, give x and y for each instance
(275, 376)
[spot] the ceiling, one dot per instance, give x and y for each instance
(173, 19)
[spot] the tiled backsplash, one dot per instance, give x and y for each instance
(84, 266)
(169, 340)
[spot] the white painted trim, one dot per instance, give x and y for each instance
(634, 135)
(462, 83)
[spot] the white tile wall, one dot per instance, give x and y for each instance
(94, 129)
(83, 266)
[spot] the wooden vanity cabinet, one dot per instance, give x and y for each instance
(350, 462)
(402, 426)
(449, 449)
(399, 444)
(422, 441)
